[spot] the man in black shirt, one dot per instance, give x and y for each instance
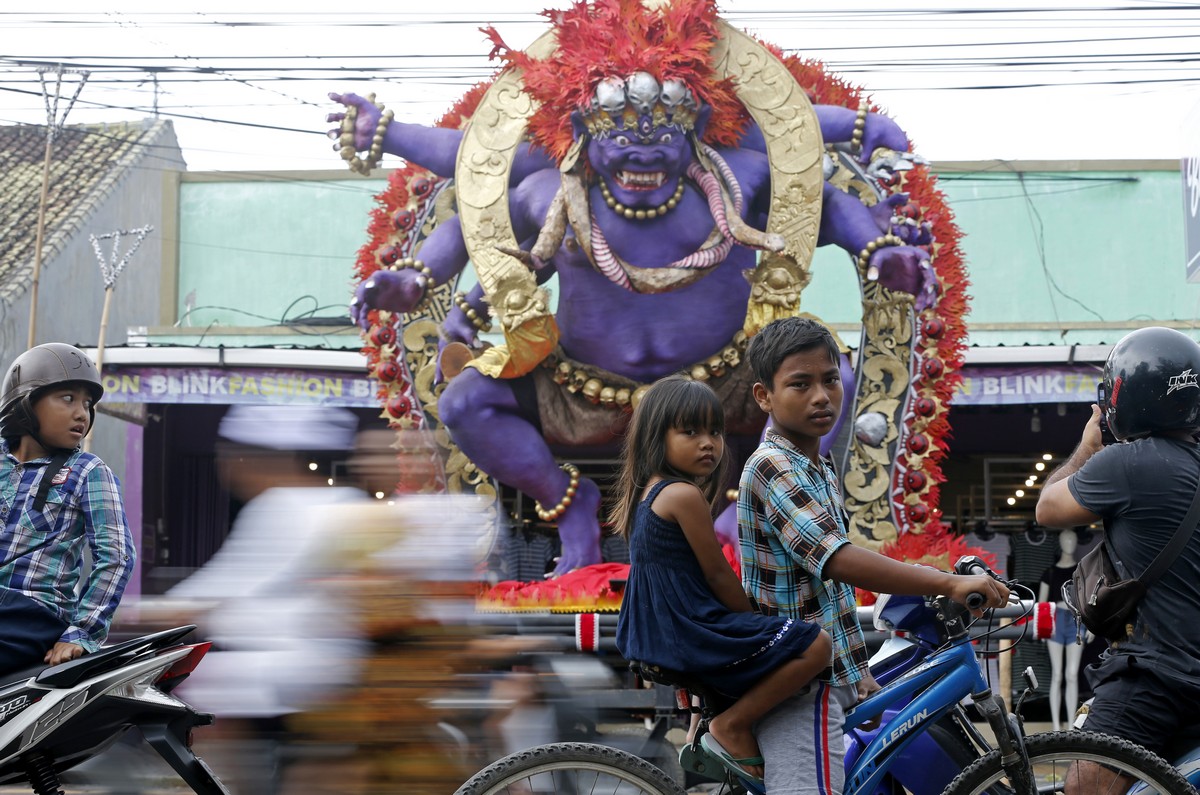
(1147, 686)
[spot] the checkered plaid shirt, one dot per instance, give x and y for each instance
(40, 553)
(791, 521)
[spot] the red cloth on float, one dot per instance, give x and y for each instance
(590, 589)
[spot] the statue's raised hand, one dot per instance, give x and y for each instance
(458, 329)
(901, 217)
(906, 269)
(395, 291)
(366, 120)
(880, 132)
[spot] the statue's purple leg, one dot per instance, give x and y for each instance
(485, 421)
(726, 525)
(849, 387)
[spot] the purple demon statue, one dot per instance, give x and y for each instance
(675, 176)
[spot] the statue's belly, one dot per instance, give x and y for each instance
(646, 337)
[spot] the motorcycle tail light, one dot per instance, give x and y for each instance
(186, 665)
(143, 688)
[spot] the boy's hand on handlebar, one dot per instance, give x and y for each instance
(994, 592)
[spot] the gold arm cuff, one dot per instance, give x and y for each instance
(526, 346)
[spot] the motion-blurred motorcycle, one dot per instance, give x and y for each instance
(54, 718)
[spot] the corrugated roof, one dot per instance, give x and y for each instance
(86, 164)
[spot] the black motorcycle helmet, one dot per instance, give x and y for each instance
(35, 371)
(1150, 384)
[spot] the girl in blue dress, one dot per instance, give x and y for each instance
(683, 607)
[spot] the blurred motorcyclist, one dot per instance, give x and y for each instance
(403, 570)
(280, 645)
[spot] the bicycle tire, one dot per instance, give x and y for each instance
(1052, 753)
(570, 769)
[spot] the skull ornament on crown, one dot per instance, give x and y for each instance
(640, 105)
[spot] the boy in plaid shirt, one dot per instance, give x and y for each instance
(56, 501)
(797, 560)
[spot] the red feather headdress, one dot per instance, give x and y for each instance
(620, 37)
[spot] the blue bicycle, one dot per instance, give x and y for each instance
(922, 744)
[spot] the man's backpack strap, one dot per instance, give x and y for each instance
(1178, 541)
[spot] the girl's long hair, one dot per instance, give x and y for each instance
(673, 402)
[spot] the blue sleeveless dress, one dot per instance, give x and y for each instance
(671, 618)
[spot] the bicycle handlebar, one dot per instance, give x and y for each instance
(973, 564)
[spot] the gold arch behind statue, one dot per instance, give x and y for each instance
(773, 98)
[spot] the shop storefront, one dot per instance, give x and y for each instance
(171, 402)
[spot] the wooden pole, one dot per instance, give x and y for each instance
(54, 126)
(108, 292)
(37, 248)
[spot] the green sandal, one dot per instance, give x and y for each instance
(732, 763)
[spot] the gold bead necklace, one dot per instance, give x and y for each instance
(641, 215)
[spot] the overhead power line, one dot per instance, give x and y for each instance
(902, 49)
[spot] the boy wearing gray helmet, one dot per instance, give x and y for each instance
(55, 499)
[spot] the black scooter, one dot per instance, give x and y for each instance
(53, 718)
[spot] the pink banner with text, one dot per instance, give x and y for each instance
(241, 385)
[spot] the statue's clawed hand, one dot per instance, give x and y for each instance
(395, 291)
(365, 122)
(906, 269)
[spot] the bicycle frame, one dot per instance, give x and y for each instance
(921, 697)
(935, 688)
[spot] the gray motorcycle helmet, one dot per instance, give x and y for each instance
(36, 370)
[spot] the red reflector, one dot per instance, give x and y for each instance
(186, 665)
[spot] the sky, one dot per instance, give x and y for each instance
(246, 83)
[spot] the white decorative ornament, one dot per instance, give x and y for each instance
(112, 268)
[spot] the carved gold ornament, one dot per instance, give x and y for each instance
(485, 159)
(780, 107)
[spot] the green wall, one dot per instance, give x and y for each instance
(1094, 252)
(263, 251)
(1091, 253)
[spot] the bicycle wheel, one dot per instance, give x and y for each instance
(571, 769)
(1051, 755)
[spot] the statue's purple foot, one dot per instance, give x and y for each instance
(579, 530)
(726, 526)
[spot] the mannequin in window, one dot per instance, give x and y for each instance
(1064, 651)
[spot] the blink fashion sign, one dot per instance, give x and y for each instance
(1004, 386)
(244, 385)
